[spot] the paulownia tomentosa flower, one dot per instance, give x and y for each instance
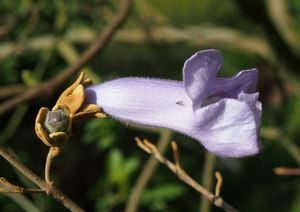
(223, 114)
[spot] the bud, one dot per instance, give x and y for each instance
(56, 121)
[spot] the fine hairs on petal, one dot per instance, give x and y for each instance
(223, 114)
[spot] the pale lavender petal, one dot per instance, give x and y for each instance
(231, 87)
(152, 102)
(255, 105)
(221, 113)
(199, 73)
(229, 127)
(250, 99)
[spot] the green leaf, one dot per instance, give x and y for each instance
(120, 168)
(102, 131)
(158, 196)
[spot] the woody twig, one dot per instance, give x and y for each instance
(217, 200)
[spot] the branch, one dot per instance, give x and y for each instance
(275, 133)
(48, 189)
(278, 12)
(216, 36)
(50, 86)
(8, 187)
(285, 171)
(32, 22)
(11, 90)
(146, 174)
(177, 170)
(23, 191)
(279, 45)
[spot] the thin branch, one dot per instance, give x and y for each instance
(216, 200)
(275, 133)
(23, 191)
(215, 36)
(11, 90)
(68, 51)
(50, 86)
(285, 171)
(284, 54)
(146, 174)
(51, 190)
(292, 148)
(279, 13)
(32, 22)
(35, 200)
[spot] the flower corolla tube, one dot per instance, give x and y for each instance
(223, 114)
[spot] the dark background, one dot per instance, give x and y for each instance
(101, 163)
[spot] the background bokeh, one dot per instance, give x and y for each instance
(101, 163)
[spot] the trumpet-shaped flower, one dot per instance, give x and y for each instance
(223, 114)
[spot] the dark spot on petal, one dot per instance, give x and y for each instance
(181, 103)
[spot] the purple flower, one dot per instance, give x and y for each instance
(223, 114)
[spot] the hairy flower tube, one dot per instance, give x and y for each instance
(223, 114)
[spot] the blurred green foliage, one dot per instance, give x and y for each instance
(157, 198)
(292, 119)
(102, 131)
(101, 163)
(114, 186)
(295, 10)
(9, 74)
(193, 11)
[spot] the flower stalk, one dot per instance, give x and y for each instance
(54, 127)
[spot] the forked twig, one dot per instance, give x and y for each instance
(48, 189)
(8, 187)
(147, 172)
(49, 87)
(150, 148)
